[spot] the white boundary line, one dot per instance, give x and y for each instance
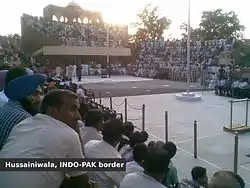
(199, 138)
(201, 159)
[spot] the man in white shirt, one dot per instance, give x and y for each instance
(51, 134)
(139, 155)
(93, 125)
(112, 132)
(235, 88)
(243, 88)
(80, 92)
(3, 98)
(156, 164)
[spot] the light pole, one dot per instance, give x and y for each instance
(188, 49)
(108, 63)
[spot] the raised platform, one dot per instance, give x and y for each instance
(237, 128)
(107, 81)
(188, 96)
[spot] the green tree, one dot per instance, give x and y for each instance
(194, 33)
(241, 52)
(151, 24)
(218, 24)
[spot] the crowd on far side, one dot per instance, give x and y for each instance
(79, 33)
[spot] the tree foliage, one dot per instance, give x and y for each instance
(218, 24)
(241, 52)
(194, 33)
(151, 24)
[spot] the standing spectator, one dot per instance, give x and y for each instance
(112, 132)
(24, 100)
(199, 178)
(51, 134)
(156, 164)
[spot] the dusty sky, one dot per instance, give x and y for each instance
(124, 12)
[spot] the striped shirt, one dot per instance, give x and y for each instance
(11, 113)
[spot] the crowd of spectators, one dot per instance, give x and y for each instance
(10, 53)
(65, 123)
(231, 83)
(168, 59)
(80, 33)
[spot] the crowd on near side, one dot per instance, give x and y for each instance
(79, 33)
(61, 121)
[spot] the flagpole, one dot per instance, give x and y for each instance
(188, 49)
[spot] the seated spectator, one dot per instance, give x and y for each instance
(243, 83)
(159, 144)
(155, 165)
(92, 126)
(235, 88)
(151, 144)
(199, 178)
(128, 129)
(226, 179)
(80, 92)
(139, 155)
(219, 89)
(51, 134)
(243, 88)
(171, 178)
(144, 136)
(127, 151)
(24, 99)
(112, 133)
(3, 98)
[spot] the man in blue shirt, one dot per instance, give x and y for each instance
(21, 90)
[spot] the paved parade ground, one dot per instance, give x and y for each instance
(130, 86)
(215, 147)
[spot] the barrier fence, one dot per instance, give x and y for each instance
(195, 142)
(124, 104)
(194, 125)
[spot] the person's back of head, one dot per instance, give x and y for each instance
(2, 78)
(144, 136)
(171, 148)
(94, 118)
(156, 163)
(159, 144)
(140, 152)
(199, 174)
(135, 138)
(226, 179)
(14, 73)
(151, 144)
(112, 131)
(128, 129)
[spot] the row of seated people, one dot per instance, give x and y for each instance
(59, 129)
(80, 34)
(172, 53)
(236, 88)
